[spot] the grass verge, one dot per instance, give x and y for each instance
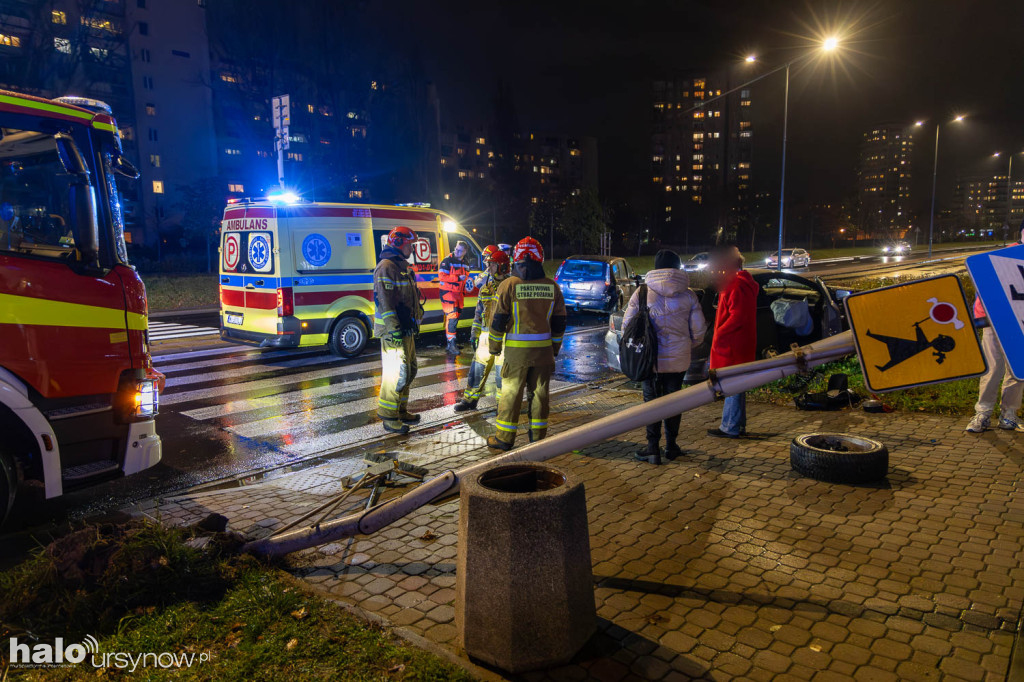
(181, 292)
(951, 398)
(139, 588)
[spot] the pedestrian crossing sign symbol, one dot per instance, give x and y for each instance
(914, 334)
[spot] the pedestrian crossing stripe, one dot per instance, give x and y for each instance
(322, 404)
(165, 331)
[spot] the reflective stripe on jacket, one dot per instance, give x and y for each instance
(396, 298)
(453, 275)
(529, 319)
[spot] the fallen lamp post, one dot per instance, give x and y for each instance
(723, 382)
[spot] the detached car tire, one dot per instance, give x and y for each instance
(839, 458)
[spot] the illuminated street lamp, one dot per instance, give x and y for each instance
(935, 174)
(829, 44)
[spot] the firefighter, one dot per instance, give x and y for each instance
(483, 362)
(396, 321)
(529, 320)
(481, 281)
(454, 280)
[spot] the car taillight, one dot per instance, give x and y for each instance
(285, 302)
(611, 323)
(608, 277)
(137, 397)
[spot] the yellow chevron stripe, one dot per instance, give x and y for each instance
(46, 312)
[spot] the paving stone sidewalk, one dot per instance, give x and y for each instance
(724, 564)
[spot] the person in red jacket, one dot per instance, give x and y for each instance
(735, 336)
(454, 275)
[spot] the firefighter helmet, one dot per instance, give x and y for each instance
(399, 236)
(501, 258)
(528, 247)
(507, 248)
(489, 250)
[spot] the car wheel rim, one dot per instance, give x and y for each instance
(351, 336)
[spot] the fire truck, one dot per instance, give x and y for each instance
(78, 392)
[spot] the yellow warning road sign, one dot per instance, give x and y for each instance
(913, 334)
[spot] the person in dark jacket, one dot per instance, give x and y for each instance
(679, 324)
(735, 336)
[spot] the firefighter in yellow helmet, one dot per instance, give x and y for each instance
(529, 320)
(396, 321)
(497, 271)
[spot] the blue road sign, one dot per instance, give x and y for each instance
(999, 279)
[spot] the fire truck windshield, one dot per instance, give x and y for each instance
(35, 211)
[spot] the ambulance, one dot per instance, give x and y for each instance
(296, 274)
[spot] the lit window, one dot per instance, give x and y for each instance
(326, 111)
(355, 194)
(533, 200)
(325, 140)
(295, 156)
(127, 133)
(658, 179)
(359, 131)
(463, 174)
(58, 17)
(62, 45)
(481, 140)
(100, 24)
(744, 125)
(698, 114)
(461, 151)
(229, 77)
(444, 162)
(150, 110)
(478, 151)
(158, 187)
(745, 103)
(154, 160)
(373, 85)
(236, 187)
(447, 197)
(482, 175)
(657, 158)
(310, 108)
(10, 41)
(490, 155)
(233, 152)
(298, 137)
(574, 152)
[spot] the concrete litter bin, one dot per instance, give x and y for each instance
(524, 584)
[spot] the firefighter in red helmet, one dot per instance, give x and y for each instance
(398, 311)
(497, 270)
(528, 323)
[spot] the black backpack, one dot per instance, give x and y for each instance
(638, 347)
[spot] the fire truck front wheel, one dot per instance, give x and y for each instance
(349, 337)
(8, 485)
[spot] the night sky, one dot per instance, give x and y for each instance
(585, 68)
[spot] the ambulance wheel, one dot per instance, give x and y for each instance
(8, 485)
(348, 337)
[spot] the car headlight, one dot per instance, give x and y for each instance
(885, 249)
(137, 397)
(786, 261)
(768, 260)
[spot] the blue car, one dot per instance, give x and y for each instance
(601, 284)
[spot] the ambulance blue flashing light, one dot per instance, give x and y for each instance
(284, 197)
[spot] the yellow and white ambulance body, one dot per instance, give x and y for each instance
(301, 274)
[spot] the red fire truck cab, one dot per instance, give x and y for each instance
(78, 393)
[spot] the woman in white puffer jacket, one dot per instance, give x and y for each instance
(679, 324)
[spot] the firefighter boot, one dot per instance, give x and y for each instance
(395, 426)
(499, 444)
(465, 405)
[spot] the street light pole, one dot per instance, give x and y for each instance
(1009, 199)
(782, 184)
(935, 175)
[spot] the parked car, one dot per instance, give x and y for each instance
(827, 317)
(791, 258)
(896, 249)
(597, 283)
(698, 262)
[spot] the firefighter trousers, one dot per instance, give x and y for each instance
(478, 374)
(536, 382)
(398, 369)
